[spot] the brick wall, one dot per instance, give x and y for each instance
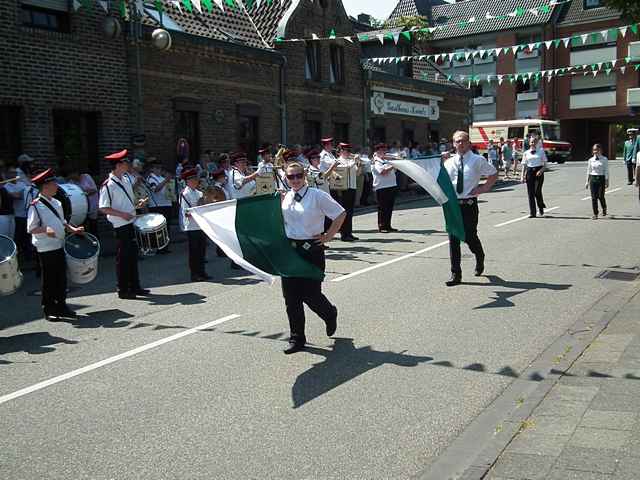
(506, 93)
(81, 71)
(323, 99)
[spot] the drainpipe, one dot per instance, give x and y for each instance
(365, 106)
(283, 100)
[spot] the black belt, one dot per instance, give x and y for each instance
(467, 201)
(304, 244)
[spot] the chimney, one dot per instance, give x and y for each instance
(364, 18)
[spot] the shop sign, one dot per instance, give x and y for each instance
(381, 106)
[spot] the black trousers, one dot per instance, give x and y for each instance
(597, 185)
(166, 212)
(53, 266)
(470, 221)
(127, 259)
(386, 199)
(367, 187)
(22, 237)
(197, 242)
(631, 167)
(347, 199)
(300, 291)
(534, 189)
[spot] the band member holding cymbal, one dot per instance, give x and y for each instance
(189, 198)
(47, 226)
(118, 204)
(304, 210)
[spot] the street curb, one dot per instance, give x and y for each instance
(472, 455)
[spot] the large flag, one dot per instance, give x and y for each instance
(429, 173)
(251, 232)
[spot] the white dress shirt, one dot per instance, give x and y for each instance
(475, 166)
(265, 168)
(188, 199)
(534, 159)
(239, 190)
(381, 181)
(319, 178)
(352, 171)
(598, 165)
(160, 198)
(40, 215)
(112, 196)
(326, 160)
(304, 219)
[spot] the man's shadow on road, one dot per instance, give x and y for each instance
(341, 364)
(502, 298)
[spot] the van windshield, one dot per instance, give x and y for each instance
(551, 132)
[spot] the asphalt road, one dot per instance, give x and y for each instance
(192, 384)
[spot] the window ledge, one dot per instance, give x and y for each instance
(48, 33)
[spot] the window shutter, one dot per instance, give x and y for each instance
(57, 5)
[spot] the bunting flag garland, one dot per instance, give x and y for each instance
(594, 69)
(609, 35)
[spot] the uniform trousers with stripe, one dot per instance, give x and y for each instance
(470, 214)
(197, 242)
(300, 291)
(53, 266)
(386, 198)
(534, 189)
(127, 259)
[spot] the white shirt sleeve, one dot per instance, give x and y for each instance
(33, 220)
(328, 205)
(105, 200)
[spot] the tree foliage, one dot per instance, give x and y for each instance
(412, 22)
(630, 8)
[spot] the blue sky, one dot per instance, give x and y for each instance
(379, 9)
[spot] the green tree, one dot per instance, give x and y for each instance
(417, 22)
(630, 8)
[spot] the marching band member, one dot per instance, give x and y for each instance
(327, 159)
(301, 158)
(242, 183)
(348, 196)
(117, 203)
(304, 210)
(189, 198)
(282, 184)
(161, 203)
(385, 186)
(265, 166)
(315, 171)
(47, 225)
(219, 179)
(465, 169)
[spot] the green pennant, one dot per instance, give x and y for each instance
(520, 11)
(637, 67)
(332, 33)
(364, 37)
(449, 77)
(608, 70)
(388, 35)
(505, 50)
(545, 9)
(159, 5)
(87, 4)
(612, 34)
(407, 35)
(576, 41)
(207, 4)
(594, 66)
(634, 28)
(462, 24)
(501, 17)
(187, 5)
(249, 4)
(627, 59)
(279, 40)
(123, 9)
(595, 37)
(230, 3)
(556, 43)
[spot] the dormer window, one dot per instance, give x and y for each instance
(589, 4)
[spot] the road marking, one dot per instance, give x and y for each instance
(110, 360)
(384, 264)
(608, 192)
(523, 218)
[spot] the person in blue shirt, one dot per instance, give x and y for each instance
(630, 151)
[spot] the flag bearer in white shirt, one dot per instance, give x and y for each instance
(47, 226)
(533, 163)
(598, 179)
(118, 203)
(197, 241)
(466, 169)
(304, 210)
(385, 186)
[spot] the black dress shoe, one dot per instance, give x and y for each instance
(293, 348)
(332, 323)
(479, 266)
(532, 216)
(66, 312)
(49, 314)
(347, 239)
(127, 295)
(393, 229)
(455, 279)
(143, 292)
(384, 230)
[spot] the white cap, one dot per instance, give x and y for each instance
(25, 158)
(632, 130)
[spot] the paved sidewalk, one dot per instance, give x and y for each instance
(588, 426)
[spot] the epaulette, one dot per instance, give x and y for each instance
(35, 200)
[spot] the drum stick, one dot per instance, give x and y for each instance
(9, 180)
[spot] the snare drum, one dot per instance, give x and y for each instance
(265, 184)
(75, 203)
(152, 233)
(10, 275)
(82, 252)
(339, 180)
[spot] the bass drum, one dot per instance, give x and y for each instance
(75, 203)
(10, 275)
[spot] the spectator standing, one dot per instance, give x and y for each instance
(630, 152)
(598, 180)
(507, 156)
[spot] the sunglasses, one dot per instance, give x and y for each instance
(295, 176)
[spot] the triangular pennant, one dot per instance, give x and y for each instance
(500, 79)
(584, 37)
(406, 35)
(396, 37)
(208, 5)
(348, 39)
(473, 19)
(175, 3)
(548, 44)
(332, 34)
(76, 5)
(381, 38)
(595, 72)
(636, 67)
(534, 11)
(488, 16)
(605, 35)
(634, 28)
(623, 31)
(104, 5)
(623, 69)
(566, 42)
(545, 9)
(196, 3)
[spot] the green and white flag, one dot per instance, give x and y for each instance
(251, 232)
(429, 173)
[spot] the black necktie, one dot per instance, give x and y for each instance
(460, 184)
(297, 197)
